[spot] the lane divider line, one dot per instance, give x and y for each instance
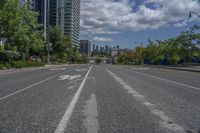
(68, 113)
(170, 81)
(28, 87)
(165, 121)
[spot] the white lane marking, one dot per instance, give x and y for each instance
(139, 68)
(16, 92)
(55, 69)
(91, 113)
(81, 69)
(65, 119)
(165, 122)
(69, 77)
(148, 104)
(177, 83)
(72, 87)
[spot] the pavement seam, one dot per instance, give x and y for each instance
(91, 114)
(68, 113)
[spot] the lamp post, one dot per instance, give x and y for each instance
(46, 41)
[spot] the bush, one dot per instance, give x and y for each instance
(7, 56)
(2, 66)
(98, 60)
(23, 64)
(19, 64)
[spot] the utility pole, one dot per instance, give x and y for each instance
(45, 29)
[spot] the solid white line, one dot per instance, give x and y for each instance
(65, 119)
(177, 83)
(28, 87)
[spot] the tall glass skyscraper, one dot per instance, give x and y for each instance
(66, 15)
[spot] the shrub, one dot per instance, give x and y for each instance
(2, 66)
(98, 60)
(1, 48)
(19, 64)
(7, 56)
(23, 64)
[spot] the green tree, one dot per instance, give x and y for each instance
(19, 25)
(62, 48)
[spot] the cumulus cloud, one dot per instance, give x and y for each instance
(102, 39)
(112, 16)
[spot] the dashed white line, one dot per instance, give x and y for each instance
(165, 121)
(65, 119)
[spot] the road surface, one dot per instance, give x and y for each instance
(99, 99)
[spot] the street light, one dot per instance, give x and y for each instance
(45, 28)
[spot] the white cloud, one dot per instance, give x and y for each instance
(111, 16)
(102, 39)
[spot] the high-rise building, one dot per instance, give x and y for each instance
(39, 7)
(85, 48)
(93, 48)
(66, 15)
(106, 47)
(53, 12)
(97, 48)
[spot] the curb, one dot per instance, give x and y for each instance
(33, 68)
(182, 69)
(175, 68)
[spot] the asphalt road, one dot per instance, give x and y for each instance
(99, 99)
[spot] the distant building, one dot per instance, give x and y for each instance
(101, 48)
(85, 48)
(97, 48)
(114, 52)
(107, 48)
(93, 48)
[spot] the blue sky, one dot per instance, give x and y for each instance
(128, 23)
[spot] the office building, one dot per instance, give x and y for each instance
(85, 48)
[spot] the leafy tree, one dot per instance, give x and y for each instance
(62, 47)
(127, 58)
(184, 47)
(19, 25)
